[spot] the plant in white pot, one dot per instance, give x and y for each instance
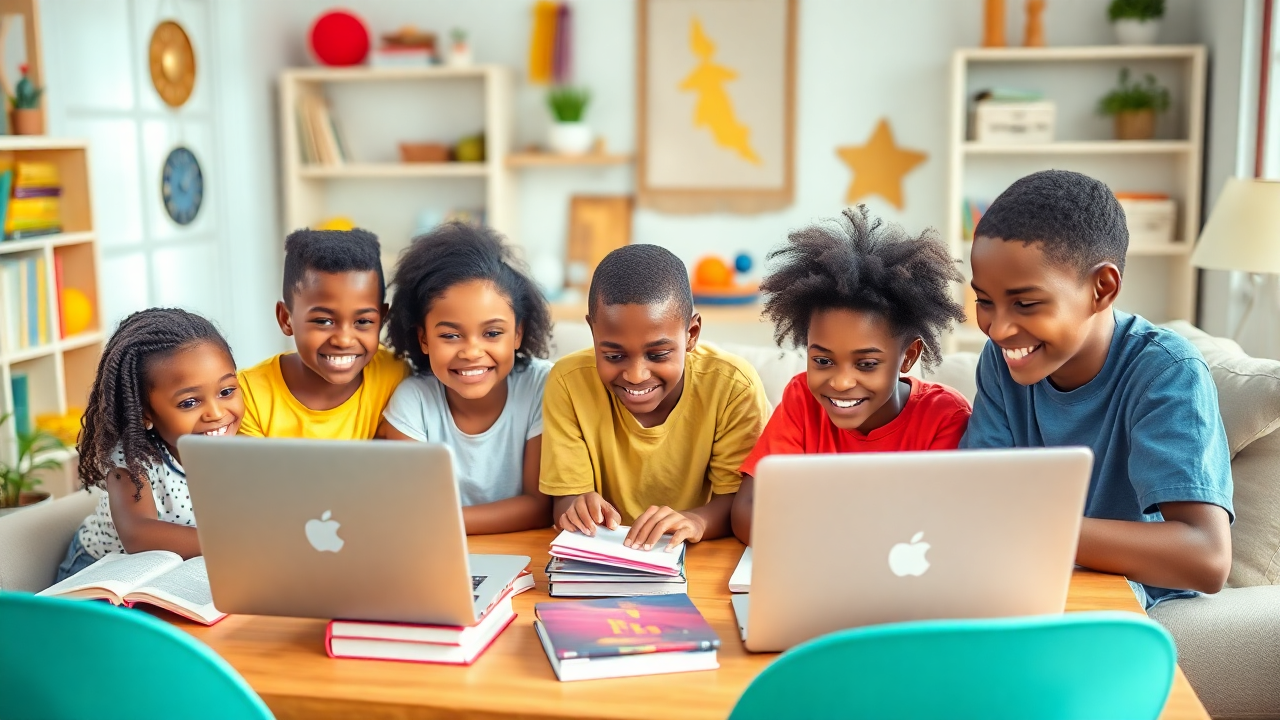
(1136, 22)
(569, 134)
(38, 451)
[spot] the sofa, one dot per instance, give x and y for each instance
(1228, 643)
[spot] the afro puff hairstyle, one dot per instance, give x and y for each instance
(859, 263)
(455, 253)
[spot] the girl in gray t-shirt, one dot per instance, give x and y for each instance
(476, 329)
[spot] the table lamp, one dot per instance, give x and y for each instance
(1243, 233)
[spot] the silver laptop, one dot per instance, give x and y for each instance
(841, 541)
(338, 529)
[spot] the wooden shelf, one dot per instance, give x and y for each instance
(1097, 147)
(58, 240)
(546, 159)
(1085, 52)
(17, 143)
(34, 352)
(86, 339)
(394, 170)
(367, 74)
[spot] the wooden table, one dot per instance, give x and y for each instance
(284, 659)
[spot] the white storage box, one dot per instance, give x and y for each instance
(1011, 123)
(1151, 221)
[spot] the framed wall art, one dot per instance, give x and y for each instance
(716, 105)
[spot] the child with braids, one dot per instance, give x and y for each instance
(477, 331)
(165, 373)
(867, 302)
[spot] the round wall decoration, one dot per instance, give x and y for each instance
(182, 185)
(173, 63)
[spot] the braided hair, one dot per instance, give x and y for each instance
(118, 398)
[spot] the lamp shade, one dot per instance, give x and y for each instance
(1243, 232)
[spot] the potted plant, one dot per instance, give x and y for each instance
(1136, 22)
(569, 135)
(26, 116)
(1134, 106)
(38, 451)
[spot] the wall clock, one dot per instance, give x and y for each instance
(182, 186)
(173, 63)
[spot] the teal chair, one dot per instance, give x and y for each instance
(1082, 666)
(82, 659)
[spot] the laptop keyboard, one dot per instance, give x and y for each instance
(476, 582)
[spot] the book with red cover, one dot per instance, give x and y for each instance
(625, 626)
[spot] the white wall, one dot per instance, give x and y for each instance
(859, 60)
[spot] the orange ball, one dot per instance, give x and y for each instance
(712, 272)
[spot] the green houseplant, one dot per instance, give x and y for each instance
(38, 451)
(569, 134)
(25, 114)
(1136, 22)
(1134, 106)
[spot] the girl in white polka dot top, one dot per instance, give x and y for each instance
(163, 374)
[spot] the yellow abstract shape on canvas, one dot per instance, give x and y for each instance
(714, 109)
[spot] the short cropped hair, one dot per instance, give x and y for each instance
(330, 251)
(641, 275)
(859, 263)
(1075, 218)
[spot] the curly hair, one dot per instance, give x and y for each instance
(641, 275)
(330, 251)
(859, 263)
(114, 416)
(455, 253)
(1076, 219)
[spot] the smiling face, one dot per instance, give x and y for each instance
(1047, 320)
(193, 391)
(855, 364)
(470, 337)
(334, 319)
(640, 353)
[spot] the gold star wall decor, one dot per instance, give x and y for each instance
(879, 166)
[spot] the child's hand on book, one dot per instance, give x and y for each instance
(587, 511)
(655, 522)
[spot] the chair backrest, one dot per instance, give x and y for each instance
(34, 540)
(79, 658)
(1090, 666)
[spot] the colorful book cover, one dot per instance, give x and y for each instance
(610, 627)
(36, 174)
(24, 327)
(42, 301)
(33, 192)
(21, 389)
(33, 302)
(57, 290)
(34, 232)
(6, 183)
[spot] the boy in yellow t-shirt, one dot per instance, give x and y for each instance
(338, 382)
(647, 427)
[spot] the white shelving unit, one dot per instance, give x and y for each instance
(1160, 282)
(377, 108)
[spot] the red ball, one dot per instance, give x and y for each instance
(339, 38)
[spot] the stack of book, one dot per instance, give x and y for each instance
(36, 206)
(608, 638)
(444, 644)
(602, 566)
(318, 136)
(24, 298)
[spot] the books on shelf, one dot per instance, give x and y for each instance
(24, 298)
(740, 580)
(606, 638)
(154, 577)
(34, 205)
(409, 642)
(320, 142)
(601, 566)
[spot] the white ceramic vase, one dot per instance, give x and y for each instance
(570, 138)
(1136, 32)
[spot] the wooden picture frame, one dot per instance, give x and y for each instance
(598, 225)
(692, 169)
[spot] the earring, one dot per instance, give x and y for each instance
(147, 425)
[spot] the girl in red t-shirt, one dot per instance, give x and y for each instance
(866, 301)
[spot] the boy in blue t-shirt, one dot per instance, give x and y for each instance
(1066, 368)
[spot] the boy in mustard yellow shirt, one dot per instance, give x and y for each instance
(337, 384)
(647, 427)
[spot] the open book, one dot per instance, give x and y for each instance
(155, 577)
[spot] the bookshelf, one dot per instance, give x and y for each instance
(1159, 282)
(59, 372)
(374, 110)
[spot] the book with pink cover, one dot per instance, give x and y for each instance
(606, 548)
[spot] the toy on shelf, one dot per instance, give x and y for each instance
(339, 38)
(715, 282)
(77, 311)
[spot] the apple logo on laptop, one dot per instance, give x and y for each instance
(323, 534)
(908, 558)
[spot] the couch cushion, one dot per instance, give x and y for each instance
(1248, 387)
(1255, 536)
